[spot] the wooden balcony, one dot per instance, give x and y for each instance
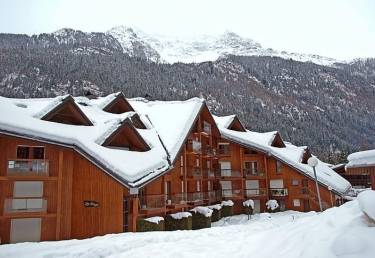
(278, 192)
(209, 173)
(250, 173)
(152, 204)
(193, 147)
(28, 167)
(22, 205)
(209, 151)
(194, 172)
(230, 173)
(212, 196)
(258, 192)
(196, 198)
(232, 193)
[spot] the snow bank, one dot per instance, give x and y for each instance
(335, 233)
(227, 203)
(154, 220)
(207, 212)
(366, 200)
(215, 207)
(248, 203)
(272, 204)
(181, 215)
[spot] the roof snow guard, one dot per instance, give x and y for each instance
(290, 155)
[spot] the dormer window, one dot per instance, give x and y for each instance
(118, 105)
(126, 137)
(67, 112)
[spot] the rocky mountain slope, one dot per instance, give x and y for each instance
(328, 107)
(201, 48)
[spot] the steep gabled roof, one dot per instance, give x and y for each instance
(173, 120)
(291, 155)
(64, 110)
(131, 168)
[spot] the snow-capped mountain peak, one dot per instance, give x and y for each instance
(201, 48)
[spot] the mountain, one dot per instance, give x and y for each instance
(330, 108)
(203, 48)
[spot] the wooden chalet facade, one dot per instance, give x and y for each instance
(55, 190)
(360, 170)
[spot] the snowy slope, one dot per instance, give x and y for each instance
(201, 48)
(336, 233)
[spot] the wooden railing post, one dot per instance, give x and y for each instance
(135, 205)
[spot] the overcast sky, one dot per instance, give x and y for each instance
(341, 29)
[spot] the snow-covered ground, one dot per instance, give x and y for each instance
(337, 232)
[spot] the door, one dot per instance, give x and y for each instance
(252, 187)
(225, 167)
(25, 230)
(306, 205)
(226, 186)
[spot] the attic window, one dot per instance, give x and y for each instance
(278, 141)
(126, 137)
(236, 125)
(118, 106)
(67, 112)
(137, 122)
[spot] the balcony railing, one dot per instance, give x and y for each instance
(209, 173)
(255, 192)
(194, 172)
(232, 193)
(13, 205)
(28, 167)
(179, 198)
(194, 197)
(278, 192)
(230, 173)
(248, 172)
(157, 201)
(194, 146)
(225, 151)
(209, 151)
(212, 196)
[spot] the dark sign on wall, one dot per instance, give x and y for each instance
(89, 204)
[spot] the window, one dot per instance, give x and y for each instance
(27, 152)
(197, 162)
(250, 152)
(28, 189)
(22, 152)
(206, 127)
(278, 167)
(296, 202)
(224, 148)
(209, 186)
(38, 152)
(251, 167)
(295, 182)
(198, 186)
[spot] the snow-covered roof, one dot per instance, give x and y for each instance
(172, 119)
(168, 123)
(290, 154)
(361, 159)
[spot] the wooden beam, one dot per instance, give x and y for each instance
(59, 192)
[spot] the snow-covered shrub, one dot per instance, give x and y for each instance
(227, 208)
(179, 221)
(216, 212)
(150, 224)
(248, 207)
(272, 206)
(201, 217)
(366, 200)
